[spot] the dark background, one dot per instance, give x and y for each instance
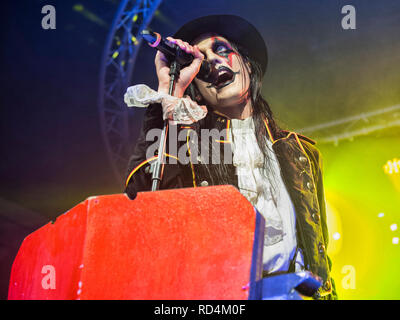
(53, 154)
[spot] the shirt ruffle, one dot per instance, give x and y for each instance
(178, 110)
(270, 198)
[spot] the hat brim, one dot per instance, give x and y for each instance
(233, 28)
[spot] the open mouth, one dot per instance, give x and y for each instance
(224, 77)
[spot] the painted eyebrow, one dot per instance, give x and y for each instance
(217, 42)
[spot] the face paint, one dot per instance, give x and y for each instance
(223, 49)
(232, 81)
(220, 86)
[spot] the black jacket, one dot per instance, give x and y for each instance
(301, 170)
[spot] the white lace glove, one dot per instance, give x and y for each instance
(178, 110)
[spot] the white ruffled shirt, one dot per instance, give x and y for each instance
(270, 199)
(177, 110)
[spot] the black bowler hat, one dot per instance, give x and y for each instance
(233, 28)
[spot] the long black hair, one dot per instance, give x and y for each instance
(260, 111)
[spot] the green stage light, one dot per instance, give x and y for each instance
(362, 215)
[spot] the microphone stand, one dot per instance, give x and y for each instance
(157, 167)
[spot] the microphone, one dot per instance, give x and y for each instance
(172, 51)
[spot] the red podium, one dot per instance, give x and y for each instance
(194, 243)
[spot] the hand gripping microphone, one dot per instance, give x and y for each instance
(170, 50)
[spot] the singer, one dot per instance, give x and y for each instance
(279, 172)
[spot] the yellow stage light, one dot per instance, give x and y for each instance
(392, 166)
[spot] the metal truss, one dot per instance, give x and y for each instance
(351, 127)
(119, 57)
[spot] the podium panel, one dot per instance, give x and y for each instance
(192, 243)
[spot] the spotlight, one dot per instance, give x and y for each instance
(336, 236)
(392, 166)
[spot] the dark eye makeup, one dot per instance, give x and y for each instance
(220, 46)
